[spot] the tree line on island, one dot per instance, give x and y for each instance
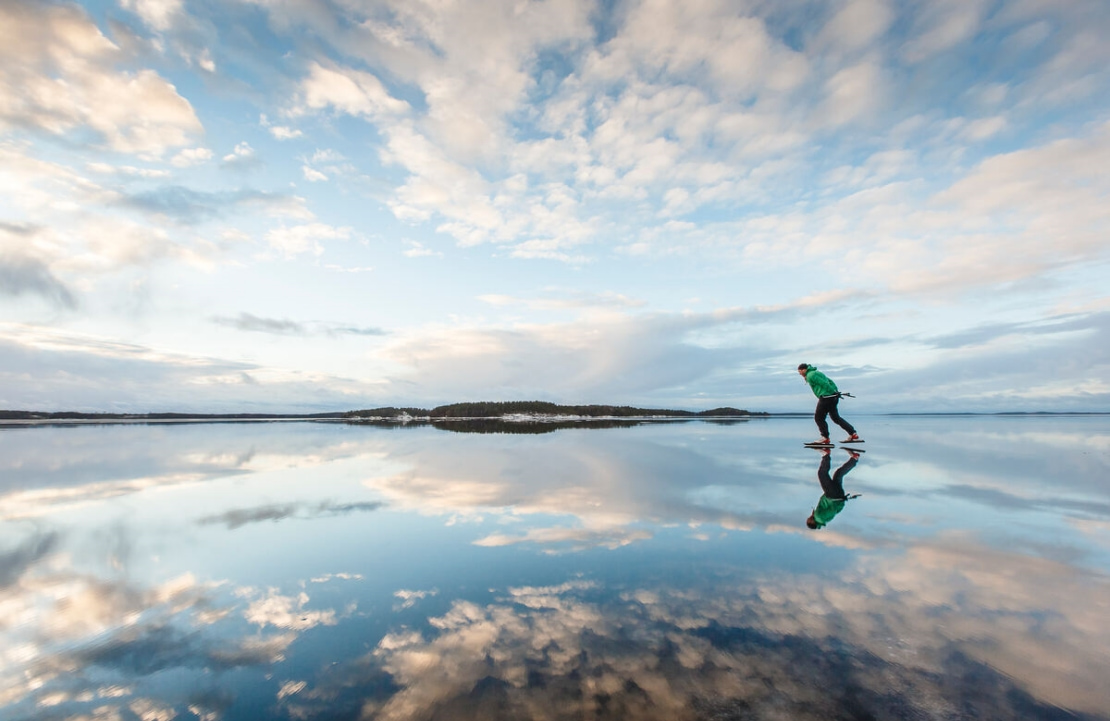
(497, 409)
(489, 409)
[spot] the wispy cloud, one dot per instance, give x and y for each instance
(278, 512)
(30, 276)
(255, 324)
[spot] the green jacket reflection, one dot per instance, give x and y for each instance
(826, 510)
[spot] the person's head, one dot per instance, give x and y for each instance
(802, 368)
(811, 523)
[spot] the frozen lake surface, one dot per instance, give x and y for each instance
(657, 571)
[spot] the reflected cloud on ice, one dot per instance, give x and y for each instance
(655, 572)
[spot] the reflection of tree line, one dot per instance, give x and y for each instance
(499, 425)
(496, 425)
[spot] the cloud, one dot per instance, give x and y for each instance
(287, 612)
(604, 352)
(625, 487)
(941, 25)
(30, 276)
(416, 249)
(1013, 366)
(576, 539)
(15, 562)
(295, 240)
(81, 232)
(242, 157)
(191, 156)
(857, 25)
(254, 324)
(278, 512)
(58, 77)
(984, 334)
(189, 206)
(345, 90)
(279, 132)
(853, 93)
(657, 651)
(91, 373)
(565, 300)
(409, 599)
(158, 14)
(128, 171)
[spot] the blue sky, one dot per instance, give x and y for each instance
(307, 205)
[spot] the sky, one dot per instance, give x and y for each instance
(320, 205)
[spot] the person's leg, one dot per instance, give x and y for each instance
(835, 415)
(823, 474)
(836, 485)
(819, 416)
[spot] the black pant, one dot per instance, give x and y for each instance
(834, 486)
(827, 407)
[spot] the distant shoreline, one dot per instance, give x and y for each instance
(31, 418)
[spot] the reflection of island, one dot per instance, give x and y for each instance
(500, 425)
(534, 425)
(833, 499)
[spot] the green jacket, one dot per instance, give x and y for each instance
(821, 384)
(826, 510)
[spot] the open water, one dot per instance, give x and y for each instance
(655, 571)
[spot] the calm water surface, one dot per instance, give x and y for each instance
(661, 571)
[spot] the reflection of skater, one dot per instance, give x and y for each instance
(833, 498)
(828, 397)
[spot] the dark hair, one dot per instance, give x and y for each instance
(803, 366)
(811, 522)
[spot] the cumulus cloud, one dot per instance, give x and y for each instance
(345, 90)
(58, 76)
(83, 632)
(191, 156)
(287, 612)
(280, 132)
(677, 108)
(761, 646)
(242, 157)
(306, 238)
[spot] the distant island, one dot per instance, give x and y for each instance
(522, 411)
(542, 409)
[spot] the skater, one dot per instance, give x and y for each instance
(833, 499)
(827, 399)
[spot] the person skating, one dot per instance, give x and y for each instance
(828, 397)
